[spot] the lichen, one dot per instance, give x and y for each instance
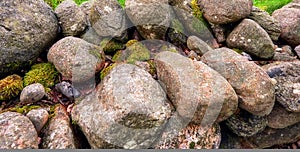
(111, 46)
(152, 70)
(137, 52)
(10, 87)
(237, 50)
(117, 56)
(106, 70)
(131, 42)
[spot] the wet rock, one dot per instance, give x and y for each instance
(38, 117)
(71, 18)
(287, 90)
(195, 89)
(245, 124)
(252, 39)
(267, 22)
(26, 29)
(281, 118)
(196, 44)
(127, 110)
(17, 132)
(68, 90)
(76, 59)
(297, 50)
(152, 17)
(32, 93)
(58, 134)
(227, 11)
(250, 82)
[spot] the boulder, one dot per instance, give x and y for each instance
(251, 83)
(26, 29)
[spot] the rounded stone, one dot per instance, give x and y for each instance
(32, 93)
(38, 117)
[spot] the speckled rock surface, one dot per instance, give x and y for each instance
(287, 90)
(17, 132)
(32, 93)
(38, 117)
(252, 84)
(281, 118)
(58, 134)
(198, 92)
(198, 45)
(126, 101)
(252, 39)
(75, 59)
(71, 18)
(297, 50)
(26, 29)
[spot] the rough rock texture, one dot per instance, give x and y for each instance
(38, 117)
(17, 132)
(252, 39)
(152, 17)
(297, 50)
(58, 134)
(251, 83)
(67, 89)
(290, 23)
(71, 18)
(32, 93)
(91, 36)
(281, 118)
(26, 29)
(223, 12)
(287, 90)
(198, 45)
(245, 124)
(284, 54)
(127, 110)
(75, 59)
(267, 22)
(198, 93)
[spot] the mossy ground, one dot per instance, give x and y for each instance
(270, 5)
(55, 3)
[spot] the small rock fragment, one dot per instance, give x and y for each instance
(32, 93)
(38, 117)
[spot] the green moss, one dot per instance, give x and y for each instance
(137, 52)
(192, 145)
(24, 109)
(177, 26)
(270, 5)
(43, 73)
(130, 42)
(10, 87)
(167, 48)
(117, 56)
(152, 67)
(111, 46)
(96, 54)
(106, 71)
(237, 50)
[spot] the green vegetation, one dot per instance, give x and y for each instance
(10, 87)
(55, 3)
(270, 5)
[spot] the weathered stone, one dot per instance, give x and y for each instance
(91, 36)
(281, 118)
(176, 33)
(219, 32)
(223, 12)
(127, 110)
(32, 93)
(17, 132)
(86, 8)
(297, 50)
(267, 22)
(76, 59)
(38, 117)
(251, 38)
(284, 54)
(26, 29)
(58, 134)
(251, 83)
(287, 90)
(71, 18)
(196, 44)
(68, 90)
(198, 93)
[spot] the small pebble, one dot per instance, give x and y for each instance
(32, 93)
(67, 89)
(38, 117)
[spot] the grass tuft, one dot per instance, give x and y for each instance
(270, 5)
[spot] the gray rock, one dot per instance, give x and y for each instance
(252, 39)
(86, 8)
(223, 12)
(251, 83)
(71, 18)
(38, 117)
(219, 32)
(284, 54)
(26, 29)
(17, 132)
(287, 90)
(176, 33)
(196, 44)
(152, 17)
(199, 93)
(91, 36)
(68, 90)
(58, 134)
(297, 50)
(127, 110)
(32, 93)
(75, 58)
(267, 22)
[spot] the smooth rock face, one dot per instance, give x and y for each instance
(152, 17)
(26, 29)
(198, 93)
(251, 83)
(287, 88)
(267, 22)
(223, 12)
(281, 118)
(17, 132)
(71, 18)
(75, 59)
(127, 100)
(198, 45)
(38, 117)
(32, 93)
(252, 39)
(58, 134)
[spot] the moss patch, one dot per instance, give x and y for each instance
(111, 46)
(106, 71)
(10, 87)
(24, 109)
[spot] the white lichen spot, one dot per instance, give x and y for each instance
(107, 9)
(249, 40)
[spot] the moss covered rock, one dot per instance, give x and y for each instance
(111, 46)
(10, 87)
